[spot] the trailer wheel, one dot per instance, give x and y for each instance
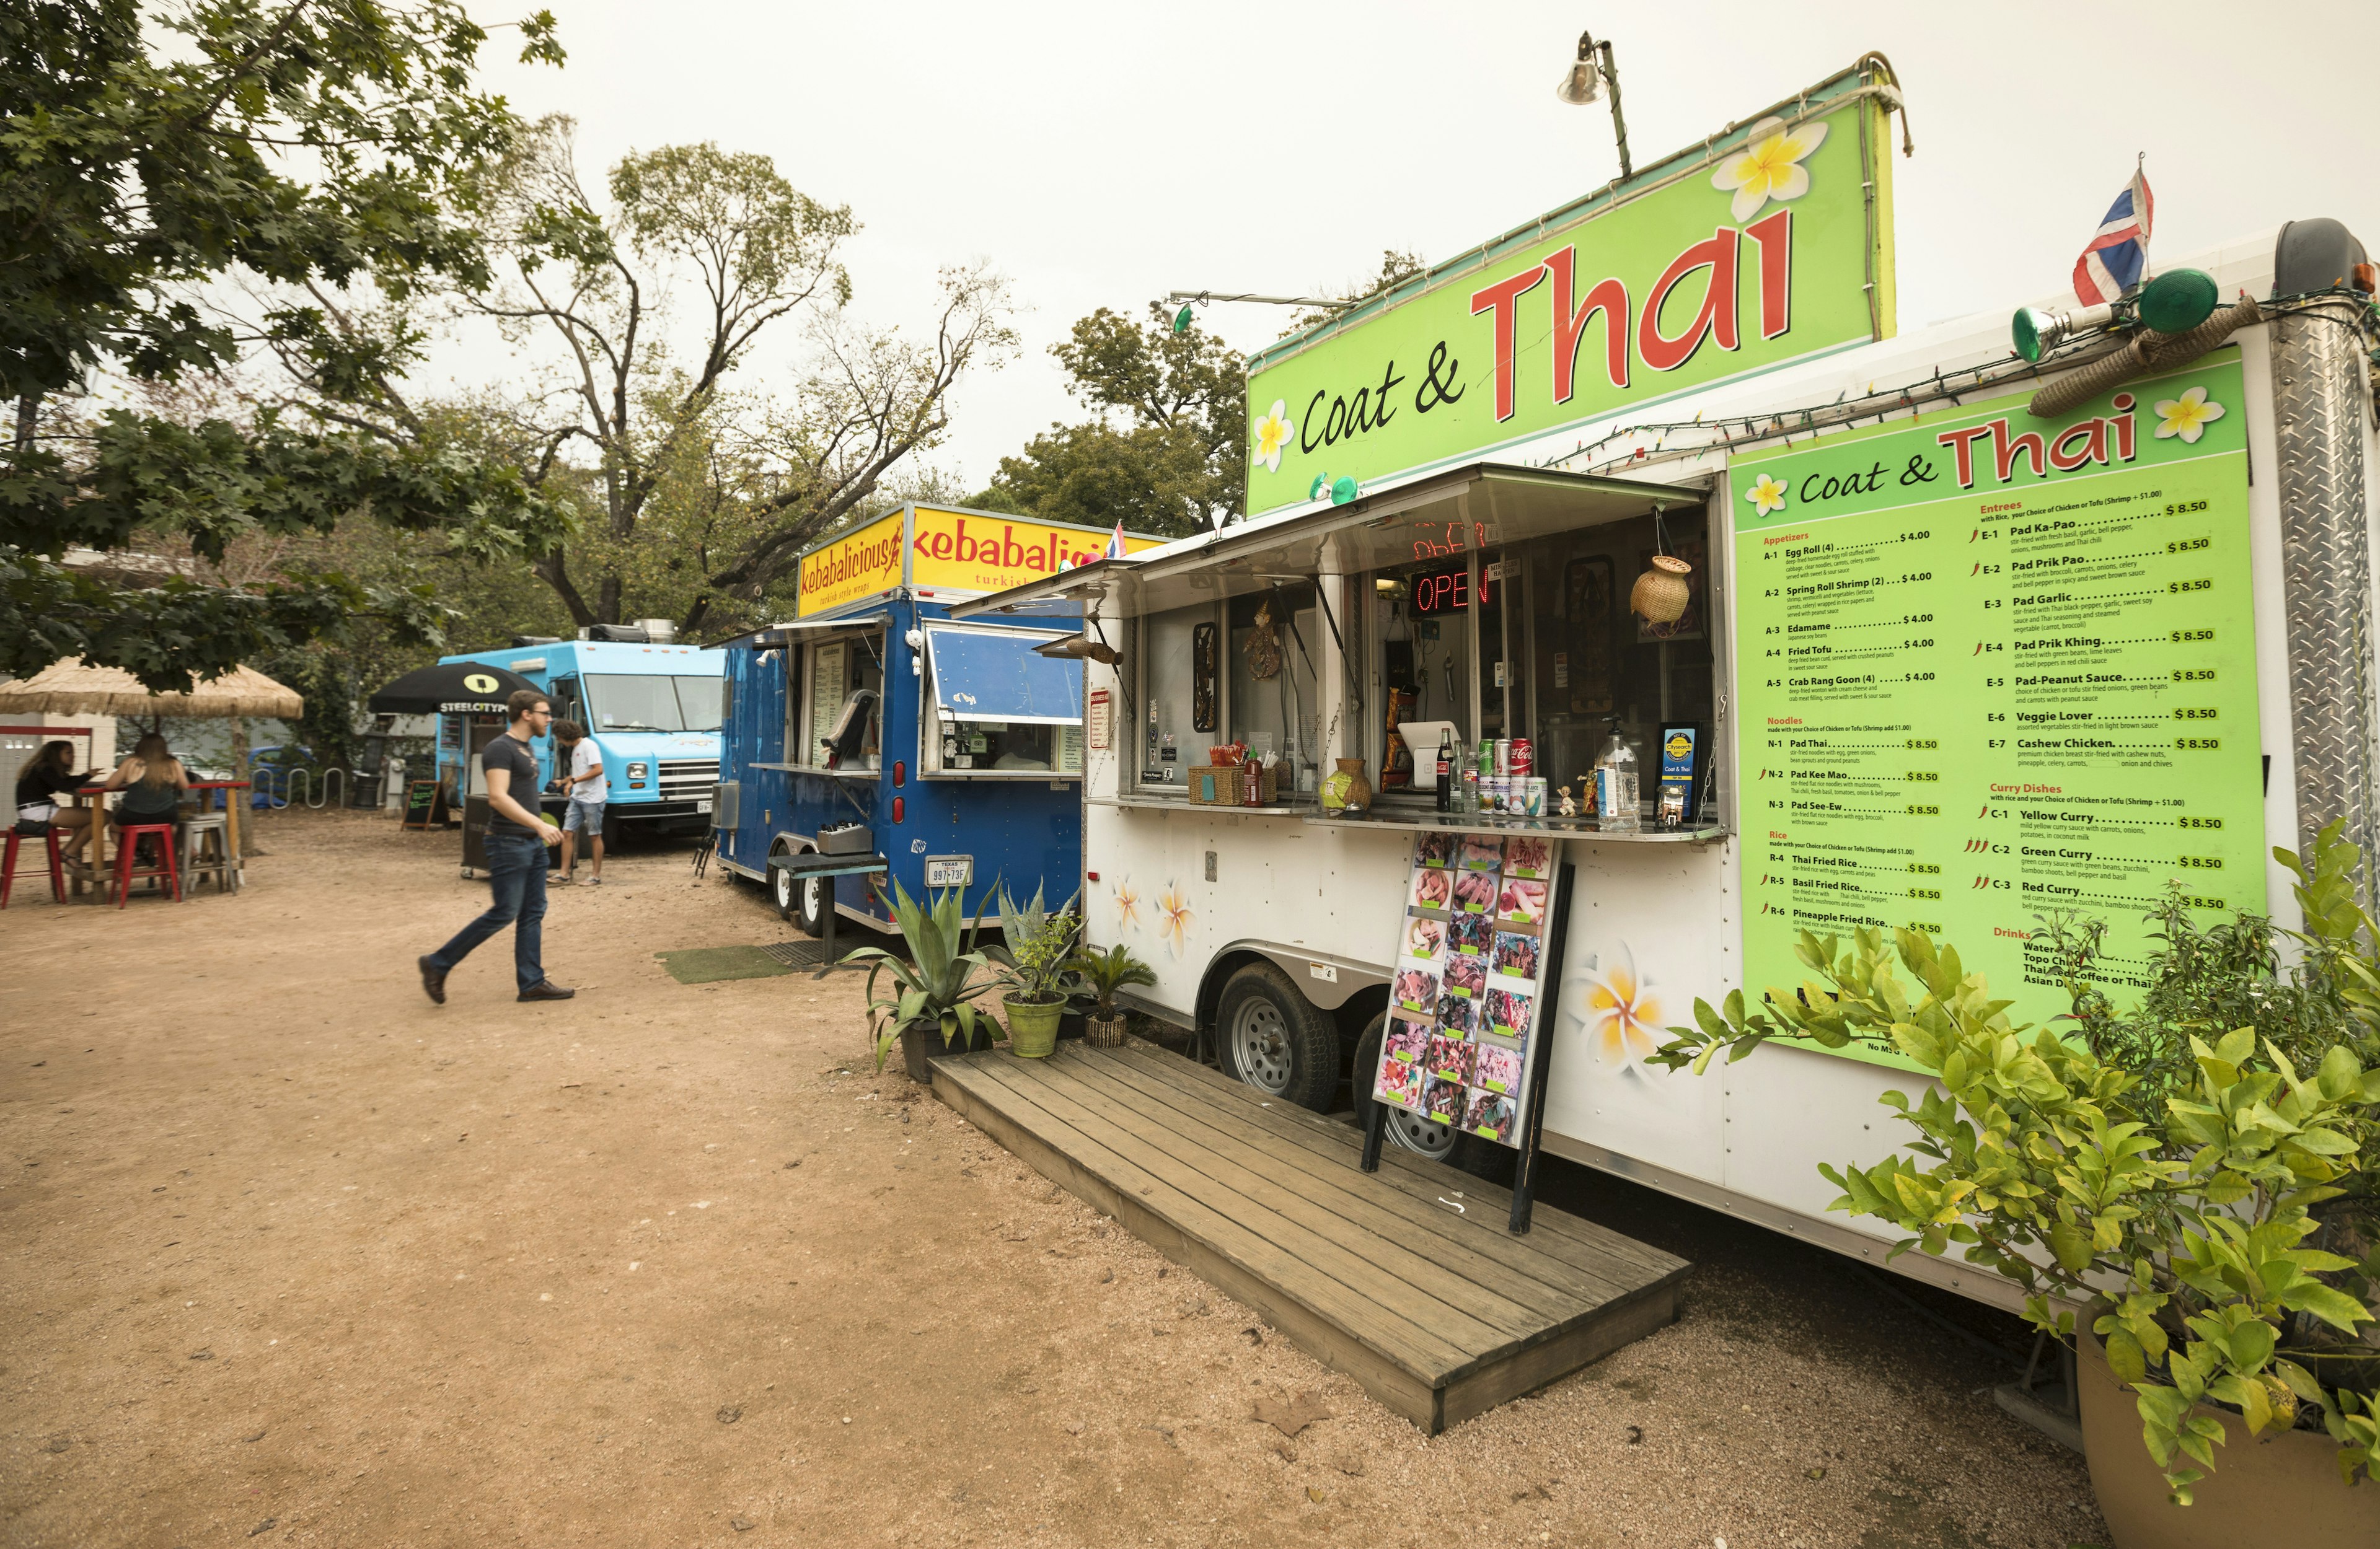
(813, 896)
(1406, 1131)
(1275, 1040)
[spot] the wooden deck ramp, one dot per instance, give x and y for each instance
(1440, 1313)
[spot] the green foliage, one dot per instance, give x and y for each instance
(2180, 1204)
(147, 154)
(932, 988)
(1179, 464)
(1034, 961)
(1104, 972)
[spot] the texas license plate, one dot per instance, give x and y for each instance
(949, 871)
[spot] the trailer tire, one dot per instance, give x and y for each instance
(1405, 1130)
(813, 896)
(1273, 1038)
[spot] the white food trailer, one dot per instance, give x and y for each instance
(1955, 655)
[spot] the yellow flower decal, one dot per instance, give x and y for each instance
(1274, 434)
(1765, 495)
(1127, 904)
(1174, 919)
(1769, 166)
(1623, 1018)
(2187, 416)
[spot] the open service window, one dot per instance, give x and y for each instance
(1245, 670)
(1000, 710)
(841, 690)
(1525, 631)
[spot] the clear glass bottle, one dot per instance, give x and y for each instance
(1615, 788)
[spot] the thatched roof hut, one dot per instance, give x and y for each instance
(73, 687)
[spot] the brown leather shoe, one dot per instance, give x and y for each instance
(434, 980)
(545, 989)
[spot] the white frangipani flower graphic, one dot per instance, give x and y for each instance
(2187, 416)
(1765, 495)
(1175, 919)
(1274, 434)
(1769, 166)
(1127, 904)
(1623, 1018)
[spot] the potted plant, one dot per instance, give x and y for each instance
(1104, 972)
(931, 1009)
(1034, 969)
(2177, 1174)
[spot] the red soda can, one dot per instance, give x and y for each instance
(1525, 757)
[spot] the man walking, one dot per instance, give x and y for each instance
(517, 841)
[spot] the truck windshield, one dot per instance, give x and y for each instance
(656, 704)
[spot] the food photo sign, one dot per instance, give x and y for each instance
(1463, 1004)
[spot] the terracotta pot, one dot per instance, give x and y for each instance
(2285, 1484)
(1358, 797)
(1659, 595)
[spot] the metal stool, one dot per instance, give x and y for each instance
(206, 847)
(129, 838)
(8, 868)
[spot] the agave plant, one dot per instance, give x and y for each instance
(932, 988)
(1037, 959)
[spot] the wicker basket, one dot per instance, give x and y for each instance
(1220, 784)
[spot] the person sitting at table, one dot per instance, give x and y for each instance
(152, 780)
(45, 777)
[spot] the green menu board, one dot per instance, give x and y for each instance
(1991, 667)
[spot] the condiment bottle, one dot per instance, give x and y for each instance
(1615, 788)
(1445, 769)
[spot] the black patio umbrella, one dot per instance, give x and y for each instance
(450, 688)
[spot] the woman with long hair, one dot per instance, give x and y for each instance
(152, 782)
(46, 776)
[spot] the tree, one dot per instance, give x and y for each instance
(144, 157)
(1179, 463)
(704, 494)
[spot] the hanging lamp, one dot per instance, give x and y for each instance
(1660, 594)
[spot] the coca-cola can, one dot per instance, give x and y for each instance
(1525, 757)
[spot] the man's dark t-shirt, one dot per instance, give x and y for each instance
(509, 752)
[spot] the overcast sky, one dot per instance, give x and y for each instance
(1102, 154)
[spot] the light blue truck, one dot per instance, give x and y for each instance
(653, 709)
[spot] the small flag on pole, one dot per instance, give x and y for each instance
(1115, 543)
(2118, 258)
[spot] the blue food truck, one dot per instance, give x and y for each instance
(873, 726)
(652, 711)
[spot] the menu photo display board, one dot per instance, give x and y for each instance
(1463, 1006)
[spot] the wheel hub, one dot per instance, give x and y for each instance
(1260, 1046)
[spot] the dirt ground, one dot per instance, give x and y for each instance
(293, 1255)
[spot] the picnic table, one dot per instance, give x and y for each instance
(95, 797)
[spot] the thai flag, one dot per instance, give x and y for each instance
(1115, 542)
(2118, 258)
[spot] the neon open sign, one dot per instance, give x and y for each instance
(1449, 591)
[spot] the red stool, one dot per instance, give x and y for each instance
(130, 838)
(8, 868)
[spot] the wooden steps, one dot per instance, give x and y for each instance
(1439, 1312)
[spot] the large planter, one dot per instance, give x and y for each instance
(922, 1043)
(2283, 1489)
(1033, 1030)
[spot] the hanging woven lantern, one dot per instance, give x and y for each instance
(1659, 595)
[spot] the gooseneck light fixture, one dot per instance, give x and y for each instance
(1583, 84)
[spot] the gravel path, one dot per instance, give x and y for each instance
(292, 1255)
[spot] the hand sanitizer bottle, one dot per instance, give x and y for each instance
(1615, 788)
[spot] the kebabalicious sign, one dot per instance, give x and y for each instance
(1993, 667)
(946, 551)
(1772, 242)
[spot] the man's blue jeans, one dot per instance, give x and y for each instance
(516, 876)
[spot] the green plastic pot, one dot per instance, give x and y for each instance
(1033, 1030)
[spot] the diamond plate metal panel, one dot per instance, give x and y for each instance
(2325, 549)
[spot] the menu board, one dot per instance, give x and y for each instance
(1463, 1006)
(1992, 667)
(826, 664)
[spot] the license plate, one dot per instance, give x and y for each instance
(949, 871)
(703, 805)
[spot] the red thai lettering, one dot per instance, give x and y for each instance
(1503, 298)
(2093, 448)
(1774, 237)
(1963, 446)
(1609, 298)
(1714, 319)
(2006, 449)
